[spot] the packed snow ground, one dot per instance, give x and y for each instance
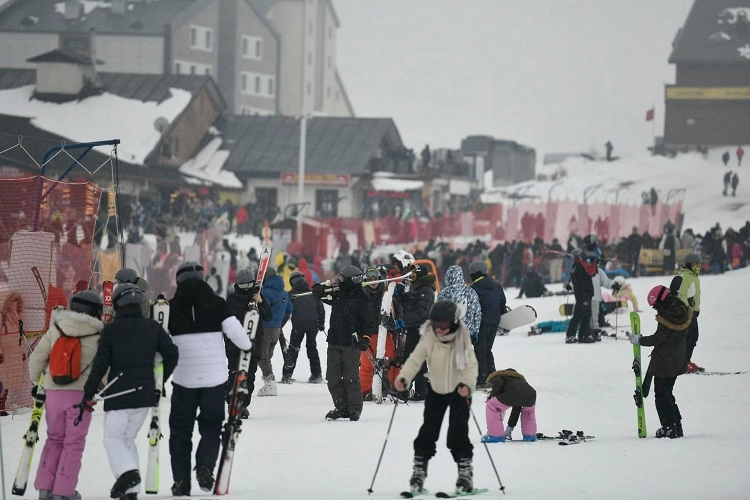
(289, 451)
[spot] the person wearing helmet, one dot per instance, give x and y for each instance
(281, 311)
(584, 267)
(239, 302)
(455, 289)
(492, 304)
(673, 319)
(687, 286)
(416, 303)
(127, 275)
(623, 292)
(351, 326)
(127, 349)
(446, 347)
(401, 263)
(58, 476)
(308, 318)
(198, 321)
(366, 369)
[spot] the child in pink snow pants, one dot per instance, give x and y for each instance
(510, 390)
(60, 462)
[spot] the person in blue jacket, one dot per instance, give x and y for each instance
(281, 306)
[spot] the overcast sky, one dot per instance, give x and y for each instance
(556, 75)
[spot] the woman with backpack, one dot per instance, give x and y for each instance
(60, 463)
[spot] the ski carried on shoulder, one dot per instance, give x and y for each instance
(233, 426)
(160, 313)
(30, 439)
(475, 491)
(635, 326)
(414, 494)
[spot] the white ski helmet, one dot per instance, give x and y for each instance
(404, 258)
(619, 280)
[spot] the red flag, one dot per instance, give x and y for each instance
(650, 115)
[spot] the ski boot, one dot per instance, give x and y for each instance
(418, 475)
(336, 414)
(666, 431)
(315, 379)
(127, 480)
(465, 481)
(205, 478)
(493, 439)
(181, 488)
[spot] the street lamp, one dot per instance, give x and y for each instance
(589, 191)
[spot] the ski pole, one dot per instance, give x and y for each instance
(502, 488)
(334, 288)
(387, 433)
(99, 397)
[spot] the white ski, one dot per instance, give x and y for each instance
(386, 318)
(160, 313)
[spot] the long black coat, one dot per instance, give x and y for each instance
(128, 345)
(418, 300)
(491, 299)
(583, 287)
(238, 303)
(511, 388)
(308, 309)
(350, 313)
(668, 356)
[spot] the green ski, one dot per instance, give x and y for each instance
(635, 326)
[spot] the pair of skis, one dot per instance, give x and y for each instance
(160, 313)
(443, 494)
(233, 426)
(30, 439)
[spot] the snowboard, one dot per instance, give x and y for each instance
(386, 318)
(520, 316)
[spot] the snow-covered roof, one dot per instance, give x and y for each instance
(381, 181)
(207, 166)
(100, 117)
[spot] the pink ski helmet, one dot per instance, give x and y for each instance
(658, 294)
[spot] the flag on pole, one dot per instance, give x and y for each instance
(650, 115)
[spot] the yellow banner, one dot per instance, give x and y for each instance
(708, 93)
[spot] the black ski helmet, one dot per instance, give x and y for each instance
(350, 276)
(126, 294)
(297, 278)
(126, 275)
(190, 269)
(87, 302)
(419, 271)
(445, 310)
(478, 267)
(245, 278)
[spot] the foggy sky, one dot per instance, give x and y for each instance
(556, 75)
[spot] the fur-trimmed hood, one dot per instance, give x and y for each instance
(508, 372)
(75, 324)
(674, 315)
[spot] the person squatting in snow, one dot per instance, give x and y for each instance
(510, 390)
(452, 370)
(127, 350)
(668, 357)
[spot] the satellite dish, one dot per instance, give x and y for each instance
(161, 124)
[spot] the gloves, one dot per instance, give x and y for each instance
(362, 342)
(569, 287)
(34, 390)
(508, 432)
(399, 384)
(323, 290)
(400, 324)
(400, 288)
(317, 290)
(634, 339)
(86, 404)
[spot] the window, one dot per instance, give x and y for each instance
(244, 82)
(326, 202)
(266, 199)
(177, 68)
(201, 38)
(257, 85)
(192, 69)
(252, 48)
(207, 71)
(271, 87)
(182, 67)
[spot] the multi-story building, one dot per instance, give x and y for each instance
(709, 104)
(254, 49)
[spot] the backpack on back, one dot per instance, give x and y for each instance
(65, 359)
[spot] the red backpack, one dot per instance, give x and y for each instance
(65, 358)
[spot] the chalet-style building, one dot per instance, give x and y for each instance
(709, 104)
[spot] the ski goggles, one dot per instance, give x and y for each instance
(441, 325)
(371, 274)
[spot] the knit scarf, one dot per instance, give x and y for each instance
(462, 343)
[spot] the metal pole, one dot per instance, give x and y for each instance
(387, 433)
(2, 462)
(301, 173)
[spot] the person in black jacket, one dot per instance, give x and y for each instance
(416, 303)
(308, 318)
(351, 326)
(492, 302)
(245, 294)
(673, 318)
(198, 320)
(127, 348)
(584, 267)
(532, 285)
